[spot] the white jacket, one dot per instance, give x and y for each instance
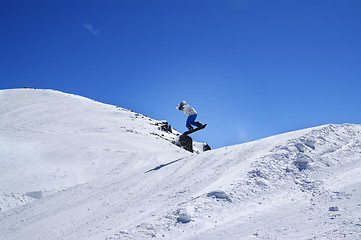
(187, 109)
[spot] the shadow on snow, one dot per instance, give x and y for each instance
(163, 165)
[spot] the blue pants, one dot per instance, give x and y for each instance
(191, 121)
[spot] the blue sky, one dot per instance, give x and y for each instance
(251, 68)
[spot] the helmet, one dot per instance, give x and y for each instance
(180, 105)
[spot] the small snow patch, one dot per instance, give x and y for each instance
(219, 195)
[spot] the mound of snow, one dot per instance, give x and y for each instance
(219, 195)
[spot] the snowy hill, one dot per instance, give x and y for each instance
(72, 168)
(51, 141)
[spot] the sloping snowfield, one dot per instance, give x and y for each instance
(73, 168)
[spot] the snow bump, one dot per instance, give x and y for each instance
(302, 161)
(183, 216)
(219, 195)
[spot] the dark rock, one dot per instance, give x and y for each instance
(206, 147)
(166, 127)
(186, 142)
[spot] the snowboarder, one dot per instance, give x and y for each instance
(192, 115)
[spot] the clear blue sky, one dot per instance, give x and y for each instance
(251, 68)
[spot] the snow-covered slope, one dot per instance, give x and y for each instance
(299, 185)
(50, 141)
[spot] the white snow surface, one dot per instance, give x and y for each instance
(74, 168)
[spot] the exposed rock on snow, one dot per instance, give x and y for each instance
(206, 147)
(186, 142)
(164, 126)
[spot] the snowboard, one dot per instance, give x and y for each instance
(195, 129)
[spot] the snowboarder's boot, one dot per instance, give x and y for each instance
(190, 127)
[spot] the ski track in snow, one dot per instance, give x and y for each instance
(73, 168)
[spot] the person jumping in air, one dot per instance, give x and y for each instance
(192, 115)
